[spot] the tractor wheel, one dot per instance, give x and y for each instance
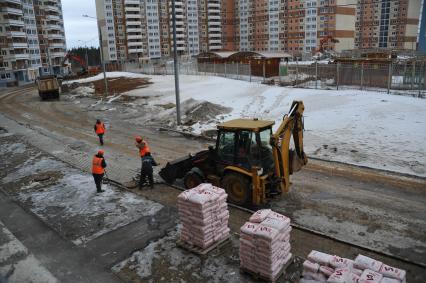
(238, 188)
(192, 179)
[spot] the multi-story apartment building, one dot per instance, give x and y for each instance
(387, 24)
(51, 35)
(139, 29)
(134, 29)
(30, 34)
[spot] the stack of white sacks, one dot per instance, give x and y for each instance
(265, 243)
(204, 214)
(322, 267)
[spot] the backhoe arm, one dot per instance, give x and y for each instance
(286, 161)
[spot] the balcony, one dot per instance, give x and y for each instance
(137, 50)
(213, 17)
(12, 11)
(134, 30)
(215, 35)
(18, 45)
(133, 16)
(16, 34)
(132, 22)
(215, 47)
(213, 41)
(22, 56)
(135, 43)
(177, 10)
(51, 8)
(57, 54)
(18, 23)
(53, 17)
(132, 2)
(13, 1)
(54, 27)
(213, 5)
(56, 36)
(134, 36)
(57, 45)
(132, 9)
(214, 23)
(215, 29)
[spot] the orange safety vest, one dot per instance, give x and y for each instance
(144, 150)
(97, 165)
(100, 128)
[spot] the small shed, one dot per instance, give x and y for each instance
(262, 64)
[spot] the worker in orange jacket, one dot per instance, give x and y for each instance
(98, 169)
(146, 163)
(100, 130)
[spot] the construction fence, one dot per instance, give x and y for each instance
(406, 78)
(233, 71)
(401, 78)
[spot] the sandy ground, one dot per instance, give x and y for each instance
(355, 207)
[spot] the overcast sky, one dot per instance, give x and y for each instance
(79, 28)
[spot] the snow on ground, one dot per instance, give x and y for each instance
(360, 127)
(17, 264)
(66, 198)
(109, 75)
(163, 255)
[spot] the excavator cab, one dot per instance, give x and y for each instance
(250, 161)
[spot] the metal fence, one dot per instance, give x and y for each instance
(399, 78)
(402, 78)
(233, 71)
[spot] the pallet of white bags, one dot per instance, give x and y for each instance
(200, 251)
(258, 276)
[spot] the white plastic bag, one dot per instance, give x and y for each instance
(364, 262)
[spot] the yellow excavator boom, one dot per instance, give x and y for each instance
(286, 161)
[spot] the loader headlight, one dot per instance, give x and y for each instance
(260, 171)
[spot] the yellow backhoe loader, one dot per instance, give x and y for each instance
(249, 161)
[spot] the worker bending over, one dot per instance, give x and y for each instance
(100, 130)
(147, 161)
(98, 169)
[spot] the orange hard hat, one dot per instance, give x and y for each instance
(101, 152)
(138, 138)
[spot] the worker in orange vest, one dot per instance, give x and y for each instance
(98, 169)
(100, 130)
(146, 163)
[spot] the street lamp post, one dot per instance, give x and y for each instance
(175, 60)
(102, 53)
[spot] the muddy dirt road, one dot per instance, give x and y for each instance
(380, 210)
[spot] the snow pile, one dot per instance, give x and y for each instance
(323, 267)
(108, 75)
(82, 91)
(204, 214)
(265, 243)
(352, 126)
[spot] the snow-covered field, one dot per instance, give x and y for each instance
(360, 127)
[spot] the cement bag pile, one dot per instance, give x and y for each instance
(322, 267)
(265, 243)
(204, 214)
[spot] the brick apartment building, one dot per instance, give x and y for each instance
(387, 24)
(136, 29)
(32, 40)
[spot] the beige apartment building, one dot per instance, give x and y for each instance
(387, 24)
(32, 40)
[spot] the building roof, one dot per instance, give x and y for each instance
(263, 54)
(246, 124)
(217, 54)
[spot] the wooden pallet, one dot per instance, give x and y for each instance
(260, 277)
(199, 251)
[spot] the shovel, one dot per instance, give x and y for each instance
(105, 180)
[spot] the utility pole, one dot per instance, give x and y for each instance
(102, 53)
(175, 60)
